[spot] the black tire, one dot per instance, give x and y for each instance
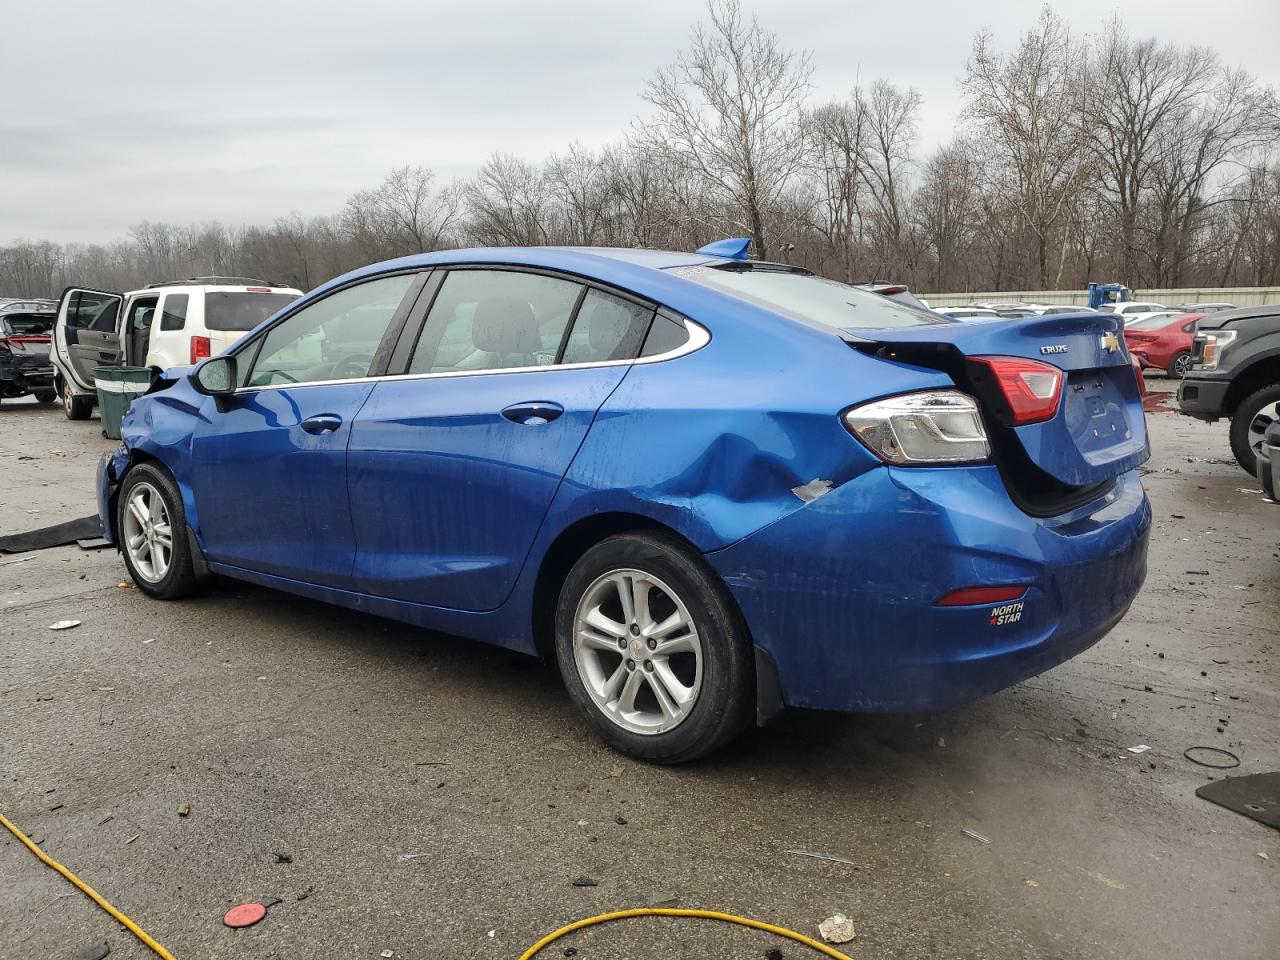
(180, 579)
(1178, 365)
(75, 407)
(1251, 409)
(46, 396)
(725, 700)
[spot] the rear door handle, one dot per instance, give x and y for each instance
(533, 412)
(322, 423)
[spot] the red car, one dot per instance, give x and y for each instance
(1163, 341)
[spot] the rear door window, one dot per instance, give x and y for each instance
(92, 311)
(606, 328)
(495, 320)
(230, 310)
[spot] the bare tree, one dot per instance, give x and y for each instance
(404, 214)
(729, 109)
(1031, 105)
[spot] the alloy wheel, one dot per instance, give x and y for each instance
(148, 533)
(1181, 363)
(1258, 425)
(637, 651)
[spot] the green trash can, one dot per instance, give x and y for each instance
(117, 388)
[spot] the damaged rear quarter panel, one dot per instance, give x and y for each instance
(726, 440)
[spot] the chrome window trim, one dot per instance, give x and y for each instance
(699, 337)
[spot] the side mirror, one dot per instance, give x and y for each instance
(215, 377)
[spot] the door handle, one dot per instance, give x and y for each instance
(322, 423)
(533, 413)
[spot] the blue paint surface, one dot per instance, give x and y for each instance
(426, 504)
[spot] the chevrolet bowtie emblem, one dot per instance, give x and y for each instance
(1110, 343)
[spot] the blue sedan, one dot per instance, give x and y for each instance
(707, 487)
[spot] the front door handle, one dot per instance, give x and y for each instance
(533, 412)
(322, 423)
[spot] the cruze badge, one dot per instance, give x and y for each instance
(1054, 348)
(1110, 343)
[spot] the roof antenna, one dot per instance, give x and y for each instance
(735, 248)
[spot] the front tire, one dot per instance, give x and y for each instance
(1249, 424)
(76, 408)
(653, 650)
(151, 528)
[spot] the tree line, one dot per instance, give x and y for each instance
(1101, 157)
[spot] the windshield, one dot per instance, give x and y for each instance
(242, 311)
(812, 299)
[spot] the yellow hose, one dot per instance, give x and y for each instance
(87, 890)
(674, 912)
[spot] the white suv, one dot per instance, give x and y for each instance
(164, 325)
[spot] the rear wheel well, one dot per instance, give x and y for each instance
(564, 552)
(1262, 373)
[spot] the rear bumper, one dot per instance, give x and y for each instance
(1201, 397)
(841, 594)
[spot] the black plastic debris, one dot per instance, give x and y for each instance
(86, 528)
(1256, 796)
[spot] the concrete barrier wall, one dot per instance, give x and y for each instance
(1240, 296)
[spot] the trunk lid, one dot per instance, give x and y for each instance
(1099, 431)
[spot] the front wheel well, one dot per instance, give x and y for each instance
(1262, 373)
(564, 552)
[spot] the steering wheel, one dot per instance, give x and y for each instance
(351, 366)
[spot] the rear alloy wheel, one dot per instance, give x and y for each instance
(1249, 425)
(1179, 364)
(151, 528)
(652, 649)
(76, 408)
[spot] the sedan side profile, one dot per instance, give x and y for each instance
(708, 488)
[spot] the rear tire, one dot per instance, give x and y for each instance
(1179, 364)
(76, 408)
(626, 601)
(1249, 423)
(151, 530)
(45, 396)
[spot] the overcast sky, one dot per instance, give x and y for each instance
(246, 110)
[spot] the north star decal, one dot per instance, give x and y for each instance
(1009, 613)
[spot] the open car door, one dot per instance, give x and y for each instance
(87, 333)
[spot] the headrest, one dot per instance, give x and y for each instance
(505, 325)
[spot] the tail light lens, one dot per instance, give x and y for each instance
(933, 427)
(199, 348)
(1031, 389)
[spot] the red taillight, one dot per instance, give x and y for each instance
(974, 596)
(200, 348)
(1031, 388)
(257, 289)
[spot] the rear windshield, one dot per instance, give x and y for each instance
(1159, 320)
(26, 325)
(242, 311)
(812, 299)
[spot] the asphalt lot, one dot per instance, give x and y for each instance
(430, 791)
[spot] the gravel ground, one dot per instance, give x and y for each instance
(438, 798)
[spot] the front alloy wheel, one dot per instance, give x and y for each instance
(151, 532)
(637, 651)
(148, 532)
